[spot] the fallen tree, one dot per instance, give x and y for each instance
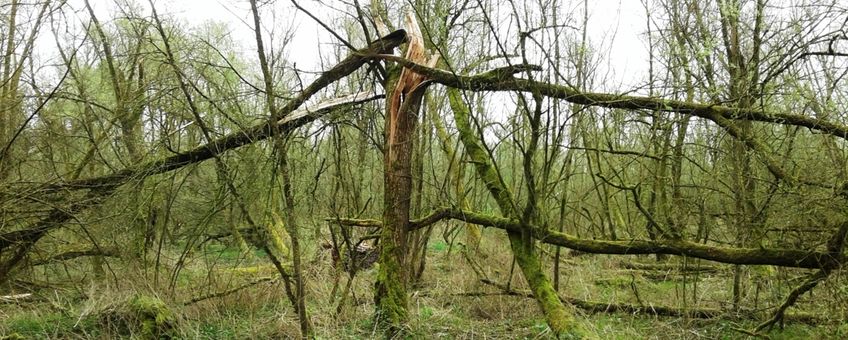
(103, 186)
(668, 267)
(497, 80)
(792, 258)
(70, 255)
(698, 313)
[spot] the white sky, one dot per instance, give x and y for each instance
(616, 29)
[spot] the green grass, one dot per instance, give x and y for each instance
(439, 305)
(438, 246)
(50, 326)
(215, 331)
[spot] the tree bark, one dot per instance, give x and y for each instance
(406, 90)
(521, 242)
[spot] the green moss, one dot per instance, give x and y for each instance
(558, 318)
(390, 293)
(438, 246)
(614, 282)
(154, 318)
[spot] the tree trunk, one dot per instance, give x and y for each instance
(522, 244)
(406, 90)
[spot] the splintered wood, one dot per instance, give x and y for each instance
(408, 80)
(403, 104)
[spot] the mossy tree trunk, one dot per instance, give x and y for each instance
(522, 244)
(473, 233)
(405, 91)
(390, 288)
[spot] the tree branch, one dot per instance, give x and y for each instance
(496, 81)
(290, 121)
(747, 256)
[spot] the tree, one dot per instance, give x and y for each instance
(734, 140)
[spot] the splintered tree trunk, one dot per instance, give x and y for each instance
(404, 100)
(523, 246)
(418, 239)
(390, 288)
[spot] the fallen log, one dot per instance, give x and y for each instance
(69, 255)
(229, 291)
(668, 267)
(657, 310)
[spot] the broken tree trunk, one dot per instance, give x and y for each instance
(405, 90)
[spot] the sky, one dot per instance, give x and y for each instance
(616, 28)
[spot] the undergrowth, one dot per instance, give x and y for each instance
(450, 302)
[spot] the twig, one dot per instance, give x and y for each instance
(228, 292)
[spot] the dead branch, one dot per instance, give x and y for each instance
(700, 313)
(16, 298)
(488, 82)
(229, 291)
(667, 267)
(834, 246)
(69, 255)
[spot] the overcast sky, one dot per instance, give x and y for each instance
(616, 29)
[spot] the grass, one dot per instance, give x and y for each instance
(449, 303)
(50, 325)
(438, 246)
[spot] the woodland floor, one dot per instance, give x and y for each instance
(442, 306)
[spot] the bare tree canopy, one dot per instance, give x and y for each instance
(419, 169)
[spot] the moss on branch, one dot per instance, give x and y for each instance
(486, 82)
(794, 258)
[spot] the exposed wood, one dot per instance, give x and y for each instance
(405, 92)
(291, 120)
(16, 298)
